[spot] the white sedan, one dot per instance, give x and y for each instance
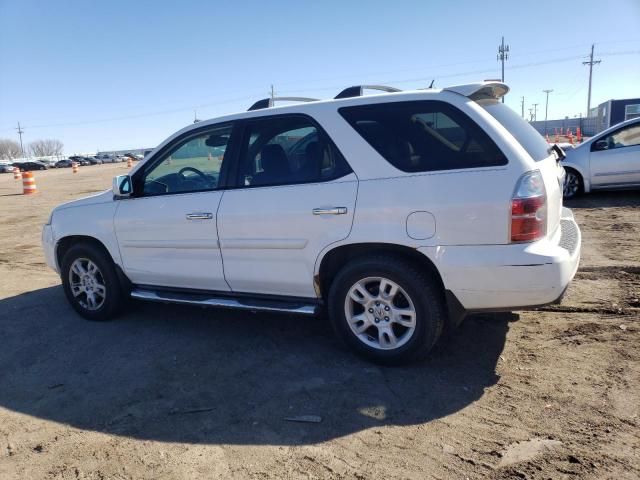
(609, 160)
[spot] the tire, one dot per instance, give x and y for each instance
(573, 184)
(103, 278)
(415, 291)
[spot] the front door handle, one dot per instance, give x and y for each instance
(330, 211)
(199, 216)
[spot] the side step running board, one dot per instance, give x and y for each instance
(239, 303)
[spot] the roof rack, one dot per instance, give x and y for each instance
(268, 102)
(357, 91)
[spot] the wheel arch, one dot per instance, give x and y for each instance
(578, 169)
(65, 243)
(330, 263)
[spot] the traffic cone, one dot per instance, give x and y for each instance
(578, 135)
(28, 184)
(74, 167)
(570, 137)
(17, 174)
(129, 163)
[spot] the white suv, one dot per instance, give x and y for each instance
(396, 213)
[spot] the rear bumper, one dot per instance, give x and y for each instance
(511, 277)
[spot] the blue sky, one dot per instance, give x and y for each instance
(126, 74)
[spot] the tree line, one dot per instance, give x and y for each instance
(10, 149)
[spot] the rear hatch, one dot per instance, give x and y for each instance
(546, 158)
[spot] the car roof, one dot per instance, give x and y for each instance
(475, 91)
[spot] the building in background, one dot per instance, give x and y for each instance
(600, 118)
(613, 112)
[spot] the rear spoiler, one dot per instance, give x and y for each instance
(481, 91)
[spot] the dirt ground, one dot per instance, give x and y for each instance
(170, 392)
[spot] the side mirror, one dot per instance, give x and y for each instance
(121, 186)
(600, 145)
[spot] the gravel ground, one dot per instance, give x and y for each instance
(169, 392)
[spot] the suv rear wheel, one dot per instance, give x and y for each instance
(90, 282)
(386, 310)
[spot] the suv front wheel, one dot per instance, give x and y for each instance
(90, 282)
(386, 310)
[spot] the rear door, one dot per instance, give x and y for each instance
(294, 195)
(615, 159)
(167, 232)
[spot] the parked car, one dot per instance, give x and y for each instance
(396, 214)
(94, 160)
(609, 160)
(6, 168)
(65, 163)
(31, 165)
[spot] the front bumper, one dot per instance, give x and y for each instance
(49, 247)
(511, 277)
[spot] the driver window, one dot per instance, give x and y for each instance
(627, 137)
(192, 166)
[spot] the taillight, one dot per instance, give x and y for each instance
(529, 208)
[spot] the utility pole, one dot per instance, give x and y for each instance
(20, 132)
(531, 114)
(503, 54)
(535, 111)
(522, 106)
(591, 63)
(273, 93)
(546, 109)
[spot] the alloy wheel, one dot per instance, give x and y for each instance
(380, 313)
(87, 284)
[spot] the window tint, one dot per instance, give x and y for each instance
(288, 150)
(193, 165)
(534, 144)
(626, 137)
(424, 136)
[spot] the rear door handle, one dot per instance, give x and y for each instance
(199, 216)
(330, 211)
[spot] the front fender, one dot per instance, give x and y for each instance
(94, 221)
(582, 171)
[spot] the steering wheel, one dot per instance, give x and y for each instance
(194, 170)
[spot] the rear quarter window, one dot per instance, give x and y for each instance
(424, 136)
(522, 131)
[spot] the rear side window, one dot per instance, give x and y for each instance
(525, 134)
(424, 136)
(287, 150)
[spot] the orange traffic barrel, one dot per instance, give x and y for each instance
(17, 174)
(129, 162)
(74, 167)
(28, 183)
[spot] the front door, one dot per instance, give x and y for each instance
(295, 194)
(167, 231)
(615, 158)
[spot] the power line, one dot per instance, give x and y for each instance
(329, 88)
(591, 63)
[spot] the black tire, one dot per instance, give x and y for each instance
(114, 297)
(579, 188)
(424, 292)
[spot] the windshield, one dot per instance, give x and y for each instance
(525, 134)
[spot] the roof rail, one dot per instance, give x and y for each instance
(357, 91)
(268, 102)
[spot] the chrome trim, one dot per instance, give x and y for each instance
(184, 299)
(330, 211)
(199, 216)
(610, 174)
